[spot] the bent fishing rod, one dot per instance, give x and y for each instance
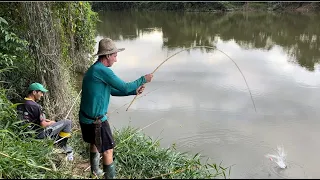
(210, 47)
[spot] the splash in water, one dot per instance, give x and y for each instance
(280, 158)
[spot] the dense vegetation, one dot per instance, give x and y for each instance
(49, 42)
(22, 156)
(40, 41)
(58, 37)
(207, 6)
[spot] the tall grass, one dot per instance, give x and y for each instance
(21, 155)
(142, 158)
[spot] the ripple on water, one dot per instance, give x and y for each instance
(292, 171)
(214, 137)
(270, 170)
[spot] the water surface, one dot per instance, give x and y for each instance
(201, 96)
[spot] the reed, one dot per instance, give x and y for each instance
(141, 157)
(22, 156)
(209, 47)
(137, 156)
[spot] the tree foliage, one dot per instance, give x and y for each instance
(201, 6)
(13, 55)
(59, 37)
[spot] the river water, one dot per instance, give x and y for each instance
(202, 99)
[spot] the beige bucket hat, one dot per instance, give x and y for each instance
(107, 46)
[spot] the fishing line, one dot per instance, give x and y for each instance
(137, 98)
(68, 115)
(140, 130)
(210, 47)
(73, 104)
(107, 113)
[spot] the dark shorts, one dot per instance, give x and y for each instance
(88, 135)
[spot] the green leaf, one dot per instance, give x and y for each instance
(3, 21)
(6, 38)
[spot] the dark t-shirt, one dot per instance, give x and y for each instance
(31, 112)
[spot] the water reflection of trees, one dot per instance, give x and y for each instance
(298, 34)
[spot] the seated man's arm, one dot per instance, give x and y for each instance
(35, 115)
(45, 122)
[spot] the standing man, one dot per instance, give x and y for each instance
(99, 82)
(32, 113)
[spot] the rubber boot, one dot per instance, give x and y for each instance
(109, 171)
(66, 149)
(63, 145)
(94, 163)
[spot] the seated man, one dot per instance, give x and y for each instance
(32, 113)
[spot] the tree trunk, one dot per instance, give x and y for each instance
(45, 42)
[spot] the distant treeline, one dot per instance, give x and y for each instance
(207, 6)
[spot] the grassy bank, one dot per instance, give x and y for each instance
(21, 156)
(136, 155)
(140, 157)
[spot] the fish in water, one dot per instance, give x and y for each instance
(280, 158)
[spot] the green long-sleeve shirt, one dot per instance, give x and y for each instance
(99, 82)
